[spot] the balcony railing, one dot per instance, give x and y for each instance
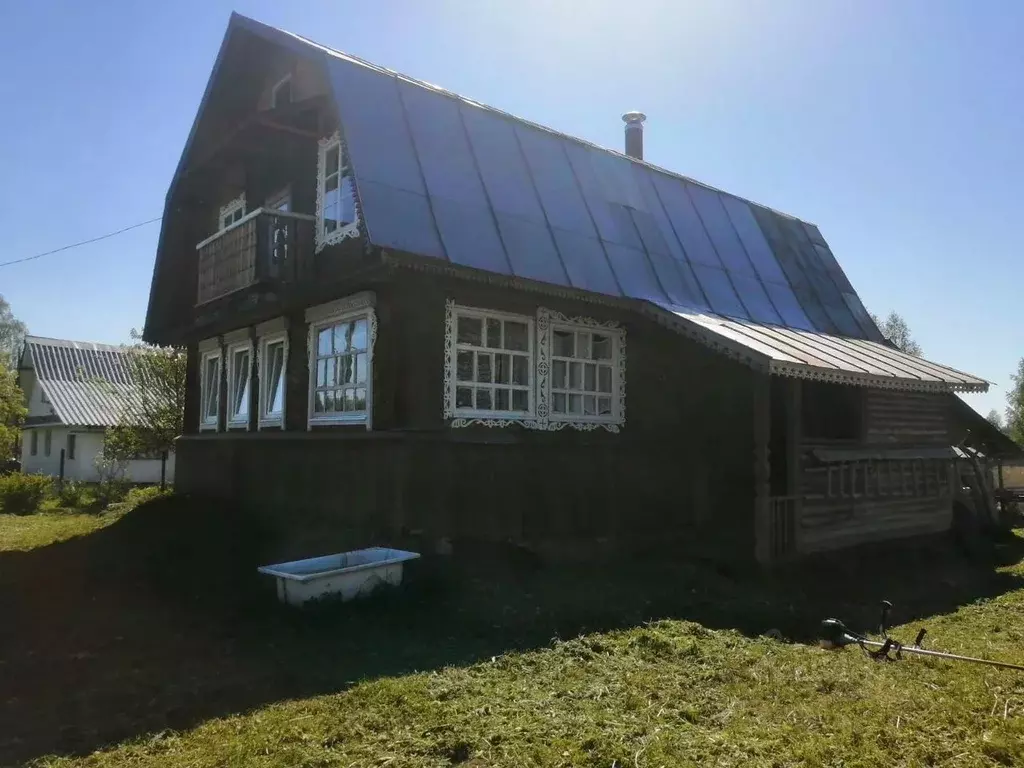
(263, 246)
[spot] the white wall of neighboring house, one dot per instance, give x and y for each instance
(88, 446)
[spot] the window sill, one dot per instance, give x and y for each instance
(207, 427)
(322, 421)
(461, 413)
(277, 423)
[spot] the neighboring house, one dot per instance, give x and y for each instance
(406, 311)
(74, 391)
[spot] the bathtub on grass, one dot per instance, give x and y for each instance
(346, 575)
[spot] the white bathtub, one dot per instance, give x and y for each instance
(348, 574)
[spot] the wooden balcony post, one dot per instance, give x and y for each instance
(762, 468)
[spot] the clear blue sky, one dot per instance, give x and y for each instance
(897, 127)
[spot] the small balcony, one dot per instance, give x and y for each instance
(263, 247)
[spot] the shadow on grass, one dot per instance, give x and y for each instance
(160, 621)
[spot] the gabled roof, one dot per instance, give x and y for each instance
(446, 178)
(87, 384)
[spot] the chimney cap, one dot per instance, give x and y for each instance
(634, 118)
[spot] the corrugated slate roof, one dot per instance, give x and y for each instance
(87, 384)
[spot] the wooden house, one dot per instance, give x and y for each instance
(406, 311)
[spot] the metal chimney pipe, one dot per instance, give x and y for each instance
(634, 134)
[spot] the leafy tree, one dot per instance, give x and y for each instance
(12, 334)
(154, 417)
(1015, 405)
(896, 330)
(995, 419)
(12, 412)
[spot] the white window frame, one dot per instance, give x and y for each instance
(210, 353)
(451, 364)
(287, 79)
(265, 420)
(232, 350)
(616, 362)
(359, 306)
(323, 238)
(230, 208)
(541, 334)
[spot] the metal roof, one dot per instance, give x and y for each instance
(457, 182)
(819, 356)
(87, 384)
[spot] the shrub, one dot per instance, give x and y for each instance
(21, 494)
(110, 491)
(143, 494)
(71, 494)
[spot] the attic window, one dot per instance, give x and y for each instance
(335, 195)
(231, 212)
(281, 93)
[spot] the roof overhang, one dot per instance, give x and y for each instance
(815, 356)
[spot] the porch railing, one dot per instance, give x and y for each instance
(263, 246)
(783, 518)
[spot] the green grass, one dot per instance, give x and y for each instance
(20, 533)
(662, 693)
(671, 693)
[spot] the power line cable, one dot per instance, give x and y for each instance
(76, 245)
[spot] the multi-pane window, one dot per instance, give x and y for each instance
(272, 369)
(209, 390)
(493, 361)
(239, 379)
(232, 212)
(337, 208)
(582, 373)
(340, 369)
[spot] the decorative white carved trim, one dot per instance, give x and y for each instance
(230, 207)
(541, 420)
(323, 239)
(353, 303)
(613, 328)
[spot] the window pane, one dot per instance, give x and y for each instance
(318, 402)
(493, 333)
(501, 399)
(604, 406)
(558, 403)
(602, 347)
(590, 377)
(330, 187)
(604, 378)
(575, 375)
(347, 203)
(502, 368)
(346, 370)
(517, 336)
(483, 399)
(558, 374)
(331, 161)
(350, 400)
(359, 335)
(360, 402)
(331, 403)
(564, 346)
(330, 372)
(520, 400)
(463, 397)
(575, 404)
(589, 406)
(583, 345)
(464, 366)
(321, 373)
(323, 344)
(483, 368)
(342, 337)
(470, 331)
(361, 368)
(521, 370)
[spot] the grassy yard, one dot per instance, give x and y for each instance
(38, 530)
(652, 663)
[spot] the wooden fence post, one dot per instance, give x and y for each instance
(163, 470)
